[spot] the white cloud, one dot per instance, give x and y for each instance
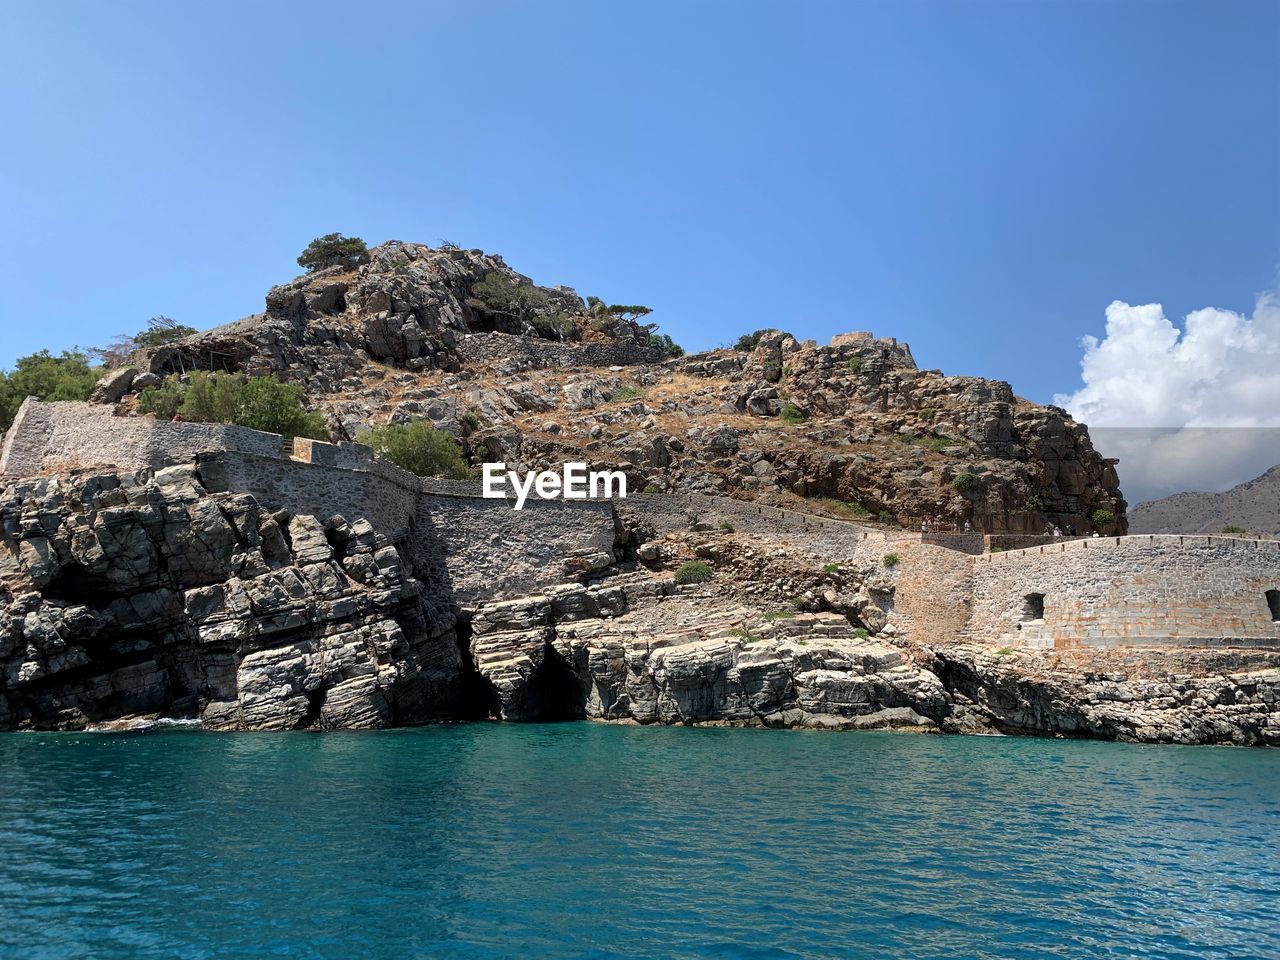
(1221, 371)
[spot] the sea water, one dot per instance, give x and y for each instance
(584, 840)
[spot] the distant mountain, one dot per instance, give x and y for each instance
(1253, 506)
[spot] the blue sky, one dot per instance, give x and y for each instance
(978, 179)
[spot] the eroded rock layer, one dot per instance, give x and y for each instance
(139, 593)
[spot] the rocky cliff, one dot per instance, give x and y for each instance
(535, 376)
(142, 593)
(131, 596)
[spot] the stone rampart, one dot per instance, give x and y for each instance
(532, 353)
(1129, 591)
(475, 548)
(65, 435)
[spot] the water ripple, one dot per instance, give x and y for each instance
(584, 841)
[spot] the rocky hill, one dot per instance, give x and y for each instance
(1253, 506)
(535, 376)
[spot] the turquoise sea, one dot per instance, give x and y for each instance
(583, 840)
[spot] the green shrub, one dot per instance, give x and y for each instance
(749, 341)
(67, 376)
(938, 444)
(1232, 528)
(726, 527)
(554, 326)
(693, 571)
(885, 516)
(964, 482)
(855, 364)
(855, 510)
(267, 404)
(420, 448)
(779, 615)
(651, 488)
(745, 635)
(1034, 503)
(862, 633)
(471, 420)
(792, 414)
(927, 414)
(1004, 651)
(891, 560)
(1102, 518)
(831, 568)
(164, 400)
(332, 250)
(663, 342)
(261, 403)
(624, 393)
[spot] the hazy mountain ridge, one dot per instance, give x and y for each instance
(1253, 506)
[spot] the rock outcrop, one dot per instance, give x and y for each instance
(679, 656)
(141, 593)
(535, 376)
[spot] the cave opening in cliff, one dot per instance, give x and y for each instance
(555, 692)
(1033, 607)
(1273, 604)
(477, 699)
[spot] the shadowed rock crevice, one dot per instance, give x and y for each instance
(477, 698)
(554, 692)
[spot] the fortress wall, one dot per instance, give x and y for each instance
(541, 354)
(824, 537)
(476, 547)
(314, 489)
(933, 592)
(50, 436)
(485, 547)
(1117, 591)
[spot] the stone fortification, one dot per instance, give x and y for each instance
(474, 549)
(527, 353)
(52, 436)
(1150, 590)
(1130, 591)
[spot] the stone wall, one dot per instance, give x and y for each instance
(473, 548)
(1129, 591)
(532, 353)
(65, 435)
(663, 513)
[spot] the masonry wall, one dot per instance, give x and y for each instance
(541, 354)
(676, 512)
(64, 435)
(1136, 590)
(474, 549)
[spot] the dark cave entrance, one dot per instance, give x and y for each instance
(477, 700)
(1273, 604)
(555, 693)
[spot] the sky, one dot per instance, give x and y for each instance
(984, 180)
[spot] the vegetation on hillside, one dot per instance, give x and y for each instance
(333, 250)
(262, 403)
(420, 448)
(663, 342)
(158, 331)
(67, 376)
(749, 341)
(693, 571)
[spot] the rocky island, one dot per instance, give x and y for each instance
(818, 536)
